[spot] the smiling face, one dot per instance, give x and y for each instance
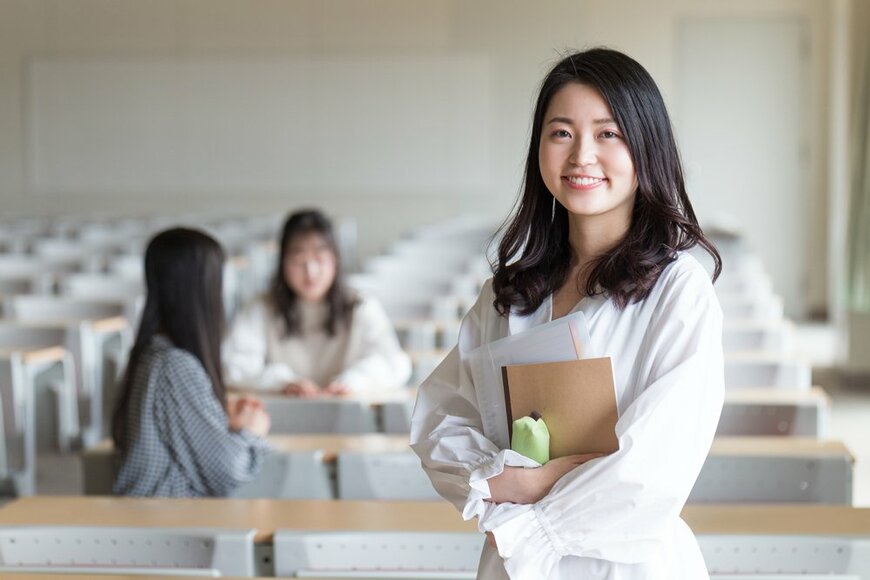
(309, 266)
(583, 157)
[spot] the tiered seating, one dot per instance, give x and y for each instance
(426, 284)
(75, 285)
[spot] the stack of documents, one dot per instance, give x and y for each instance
(551, 369)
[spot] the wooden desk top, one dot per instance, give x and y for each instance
(747, 396)
(779, 447)
(332, 445)
(761, 356)
(373, 397)
(107, 324)
(740, 324)
(269, 515)
(777, 396)
(113, 324)
(778, 519)
(263, 514)
(35, 355)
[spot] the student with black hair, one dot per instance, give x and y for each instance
(310, 334)
(603, 226)
(177, 434)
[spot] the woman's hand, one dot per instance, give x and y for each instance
(546, 476)
(248, 413)
(336, 389)
(526, 486)
(303, 388)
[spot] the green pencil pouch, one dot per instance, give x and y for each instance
(530, 437)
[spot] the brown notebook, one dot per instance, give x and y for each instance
(576, 399)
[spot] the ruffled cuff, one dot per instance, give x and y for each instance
(478, 491)
(528, 545)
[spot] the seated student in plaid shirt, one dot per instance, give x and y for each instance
(177, 434)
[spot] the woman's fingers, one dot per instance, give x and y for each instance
(303, 388)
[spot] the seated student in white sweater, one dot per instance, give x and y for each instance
(310, 335)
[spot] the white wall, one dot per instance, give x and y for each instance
(511, 42)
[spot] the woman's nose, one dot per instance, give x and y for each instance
(312, 268)
(583, 152)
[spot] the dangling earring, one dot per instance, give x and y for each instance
(553, 212)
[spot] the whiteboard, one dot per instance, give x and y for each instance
(409, 124)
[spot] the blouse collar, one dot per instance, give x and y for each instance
(521, 322)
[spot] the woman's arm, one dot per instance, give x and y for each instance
(192, 423)
(447, 430)
(527, 486)
(379, 361)
(622, 507)
(244, 352)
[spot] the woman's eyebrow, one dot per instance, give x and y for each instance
(568, 121)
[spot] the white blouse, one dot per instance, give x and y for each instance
(615, 517)
(365, 354)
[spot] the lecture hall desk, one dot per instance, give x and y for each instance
(332, 445)
(268, 515)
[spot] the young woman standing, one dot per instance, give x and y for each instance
(603, 226)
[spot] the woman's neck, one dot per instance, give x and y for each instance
(593, 236)
(590, 237)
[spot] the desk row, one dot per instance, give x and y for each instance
(381, 467)
(364, 539)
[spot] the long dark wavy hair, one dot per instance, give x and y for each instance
(535, 256)
(340, 300)
(184, 302)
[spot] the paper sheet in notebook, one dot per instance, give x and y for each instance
(576, 399)
(563, 339)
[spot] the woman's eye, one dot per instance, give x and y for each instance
(609, 134)
(561, 133)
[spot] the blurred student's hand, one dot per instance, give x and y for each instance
(303, 388)
(336, 389)
(239, 401)
(248, 413)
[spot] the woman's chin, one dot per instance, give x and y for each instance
(312, 297)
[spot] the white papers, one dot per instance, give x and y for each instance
(563, 339)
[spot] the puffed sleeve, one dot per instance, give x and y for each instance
(622, 507)
(194, 425)
(245, 348)
(447, 430)
(379, 361)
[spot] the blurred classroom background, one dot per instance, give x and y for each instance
(408, 122)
